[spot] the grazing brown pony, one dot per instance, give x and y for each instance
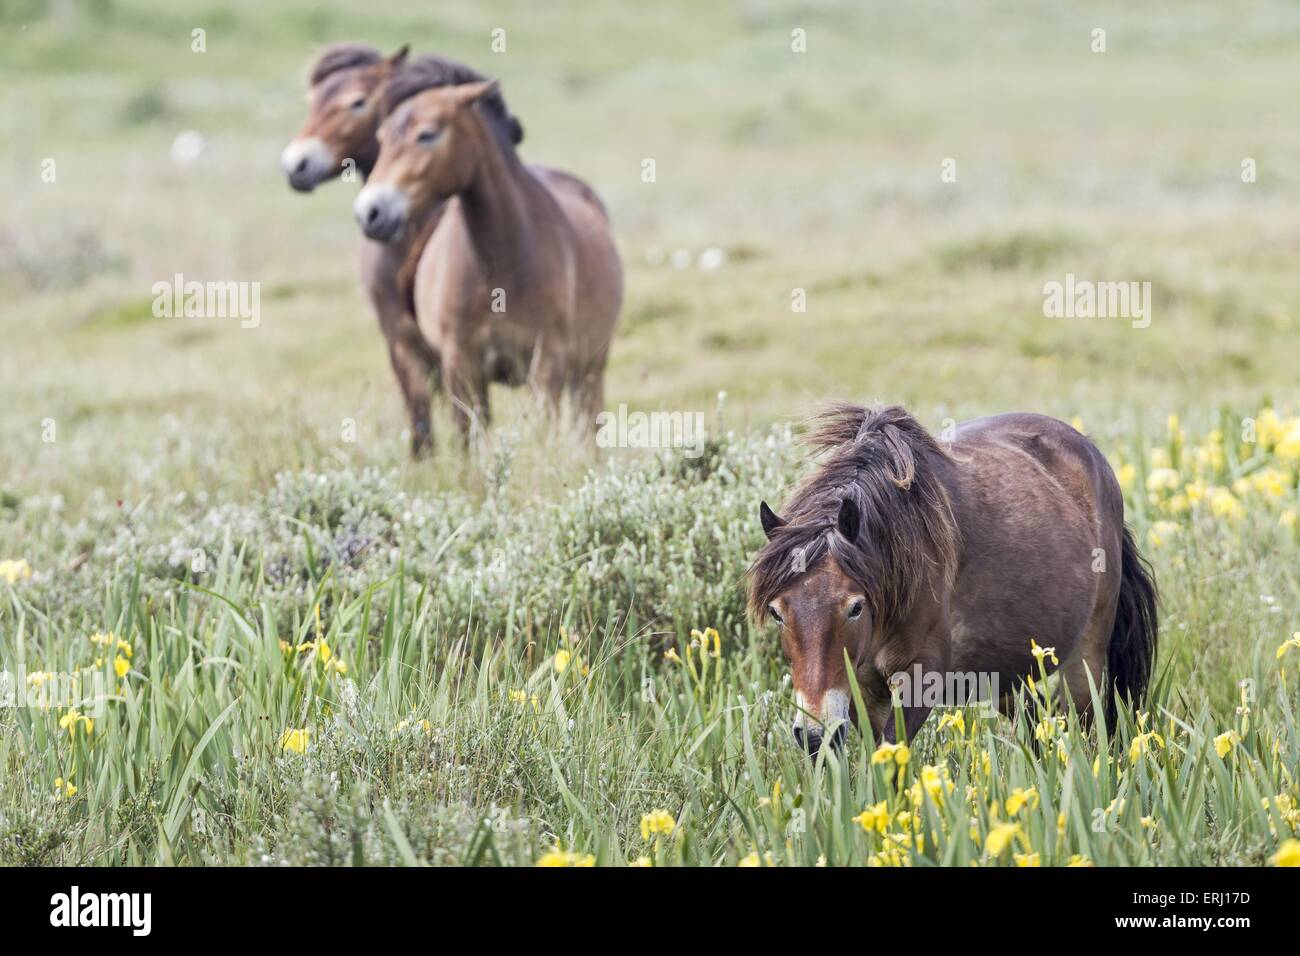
(346, 106)
(520, 281)
(919, 559)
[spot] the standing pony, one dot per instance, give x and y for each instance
(930, 564)
(346, 107)
(520, 281)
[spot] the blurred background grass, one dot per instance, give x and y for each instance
(817, 171)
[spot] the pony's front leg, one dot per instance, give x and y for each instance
(414, 363)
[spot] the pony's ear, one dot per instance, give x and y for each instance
(769, 518)
(847, 521)
(470, 93)
(398, 58)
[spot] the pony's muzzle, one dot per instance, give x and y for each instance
(813, 739)
(381, 211)
(306, 163)
(824, 724)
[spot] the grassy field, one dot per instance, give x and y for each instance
(317, 651)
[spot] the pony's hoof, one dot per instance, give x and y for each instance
(421, 443)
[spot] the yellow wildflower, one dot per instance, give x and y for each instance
(1160, 533)
(657, 821)
(874, 817)
(295, 740)
(954, 719)
(1049, 728)
(1163, 479)
(1127, 475)
(1288, 854)
(1225, 742)
(1043, 652)
(708, 640)
(523, 698)
(1224, 506)
(1288, 448)
(121, 666)
(1019, 798)
(1078, 859)
(14, 570)
(936, 782)
(1292, 641)
(1000, 837)
(753, 859)
(892, 753)
(558, 857)
(1142, 744)
(1028, 859)
(73, 719)
(404, 723)
(639, 862)
(64, 788)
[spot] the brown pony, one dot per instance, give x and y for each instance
(346, 106)
(520, 280)
(930, 565)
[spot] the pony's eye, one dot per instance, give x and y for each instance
(358, 104)
(428, 136)
(855, 610)
(776, 615)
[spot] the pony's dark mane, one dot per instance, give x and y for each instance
(429, 72)
(343, 56)
(882, 460)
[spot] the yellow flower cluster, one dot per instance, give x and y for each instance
(324, 655)
(559, 857)
(14, 570)
(122, 650)
(410, 723)
(1218, 479)
(703, 661)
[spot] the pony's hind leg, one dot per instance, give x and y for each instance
(589, 399)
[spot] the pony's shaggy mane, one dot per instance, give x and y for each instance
(882, 460)
(430, 72)
(343, 56)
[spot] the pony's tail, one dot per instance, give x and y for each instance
(1131, 656)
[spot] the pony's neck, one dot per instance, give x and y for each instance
(366, 158)
(494, 203)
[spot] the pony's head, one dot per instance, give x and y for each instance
(436, 133)
(860, 537)
(344, 101)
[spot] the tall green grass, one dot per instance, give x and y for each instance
(305, 698)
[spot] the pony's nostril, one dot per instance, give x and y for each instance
(798, 735)
(302, 166)
(372, 214)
